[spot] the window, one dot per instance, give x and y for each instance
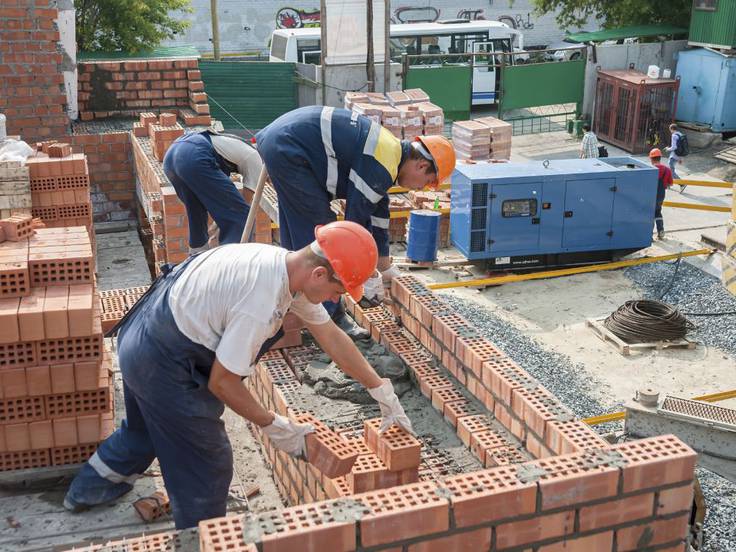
(278, 47)
(519, 208)
(306, 48)
(705, 5)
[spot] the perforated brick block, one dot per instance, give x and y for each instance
(616, 512)
(572, 436)
(71, 349)
(24, 460)
(505, 379)
(655, 462)
(75, 454)
(489, 495)
(433, 382)
(369, 473)
(17, 227)
(469, 425)
(482, 442)
(24, 409)
(80, 402)
(326, 450)
(440, 397)
(504, 456)
(454, 411)
(403, 287)
(445, 327)
(14, 278)
(403, 512)
(519, 533)
(395, 447)
(70, 267)
(537, 407)
(656, 533)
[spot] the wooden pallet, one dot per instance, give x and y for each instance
(728, 155)
(627, 348)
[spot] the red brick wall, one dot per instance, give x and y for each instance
(125, 88)
(31, 82)
(110, 173)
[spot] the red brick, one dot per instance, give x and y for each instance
(482, 442)
(674, 500)
(616, 512)
(401, 513)
(395, 447)
(655, 462)
(600, 542)
(326, 450)
(41, 434)
(17, 437)
(572, 436)
(471, 541)
(38, 380)
(62, 378)
(9, 331)
(650, 534)
(489, 495)
(88, 428)
(13, 383)
(518, 533)
(469, 425)
(65, 432)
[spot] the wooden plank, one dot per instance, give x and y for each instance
(625, 349)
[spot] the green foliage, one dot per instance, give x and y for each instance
(127, 25)
(617, 13)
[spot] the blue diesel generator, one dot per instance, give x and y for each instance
(552, 213)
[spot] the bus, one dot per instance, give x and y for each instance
(442, 37)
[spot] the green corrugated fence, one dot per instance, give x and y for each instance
(249, 93)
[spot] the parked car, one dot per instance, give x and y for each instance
(563, 51)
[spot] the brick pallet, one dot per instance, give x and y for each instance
(482, 139)
(55, 387)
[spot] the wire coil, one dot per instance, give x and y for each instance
(646, 320)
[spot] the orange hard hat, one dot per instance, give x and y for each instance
(351, 251)
(443, 155)
(656, 152)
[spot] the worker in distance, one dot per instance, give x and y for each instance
(185, 346)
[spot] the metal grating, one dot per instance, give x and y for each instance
(698, 410)
(478, 219)
(477, 241)
(480, 194)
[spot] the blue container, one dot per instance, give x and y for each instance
(707, 92)
(423, 234)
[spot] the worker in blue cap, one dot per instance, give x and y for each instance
(316, 154)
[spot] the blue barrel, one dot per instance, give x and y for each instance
(423, 234)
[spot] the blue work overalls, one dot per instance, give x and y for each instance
(316, 154)
(170, 415)
(201, 178)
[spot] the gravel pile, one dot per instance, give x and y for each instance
(692, 290)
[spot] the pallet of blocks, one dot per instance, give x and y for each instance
(59, 184)
(55, 384)
(471, 140)
(15, 189)
(501, 132)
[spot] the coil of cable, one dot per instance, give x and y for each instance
(647, 320)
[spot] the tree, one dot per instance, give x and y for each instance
(617, 13)
(127, 25)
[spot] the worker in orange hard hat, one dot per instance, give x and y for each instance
(664, 181)
(185, 346)
(316, 154)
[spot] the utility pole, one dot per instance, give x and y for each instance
(370, 62)
(386, 45)
(215, 29)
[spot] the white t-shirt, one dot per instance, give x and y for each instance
(234, 297)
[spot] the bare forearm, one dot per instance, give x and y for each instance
(231, 391)
(346, 355)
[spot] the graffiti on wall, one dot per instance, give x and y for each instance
(472, 15)
(291, 18)
(517, 21)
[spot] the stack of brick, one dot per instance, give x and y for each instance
(406, 114)
(55, 388)
(124, 88)
(471, 140)
(115, 303)
(32, 86)
(60, 186)
(15, 189)
(501, 131)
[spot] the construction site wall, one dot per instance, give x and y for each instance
(32, 93)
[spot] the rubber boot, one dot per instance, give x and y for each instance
(348, 325)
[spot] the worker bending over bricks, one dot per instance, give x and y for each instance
(187, 343)
(316, 154)
(199, 165)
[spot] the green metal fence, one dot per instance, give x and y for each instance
(448, 85)
(249, 94)
(541, 97)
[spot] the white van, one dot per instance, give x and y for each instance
(443, 37)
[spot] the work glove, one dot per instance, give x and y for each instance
(288, 435)
(389, 274)
(373, 288)
(391, 410)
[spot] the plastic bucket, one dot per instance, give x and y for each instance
(423, 235)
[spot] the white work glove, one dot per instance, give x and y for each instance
(390, 273)
(373, 288)
(391, 410)
(288, 435)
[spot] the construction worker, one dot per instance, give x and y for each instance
(185, 346)
(316, 154)
(664, 181)
(199, 164)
